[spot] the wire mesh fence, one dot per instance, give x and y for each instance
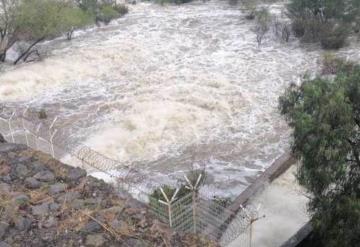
(186, 213)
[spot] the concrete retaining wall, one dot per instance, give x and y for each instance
(277, 168)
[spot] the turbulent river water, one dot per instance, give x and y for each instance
(168, 88)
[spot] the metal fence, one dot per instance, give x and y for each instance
(189, 213)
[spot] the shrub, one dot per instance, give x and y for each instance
(333, 37)
(121, 9)
(332, 65)
(323, 21)
(107, 13)
(298, 28)
(42, 114)
(250, 6)
(263, 19)
(169, 192)
(173, 1)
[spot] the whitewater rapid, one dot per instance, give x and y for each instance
(167, 88)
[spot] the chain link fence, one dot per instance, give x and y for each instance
(186, 213)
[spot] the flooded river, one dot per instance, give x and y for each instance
(167, 88)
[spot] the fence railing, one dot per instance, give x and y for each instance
(190, 213)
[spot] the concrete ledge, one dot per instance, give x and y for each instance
(277, 168)
(299, 236)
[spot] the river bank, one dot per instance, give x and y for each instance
(44, 202)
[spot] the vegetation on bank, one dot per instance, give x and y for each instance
(325, 115)
(32, 21)
(46, 203)
(173, 1)
(328, 22)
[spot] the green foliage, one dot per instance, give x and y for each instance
(193, 177)
(331, 65)
(173, 1)
(121, 9)
(334, 36)
(250, 6)
(222, 201)
(107, 13)
(325, 21)
(74, 18)
(263, 21)
(325, 116)
(169, 192)
(38, 19)
(89, 6)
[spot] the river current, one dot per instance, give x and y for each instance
(167, 88)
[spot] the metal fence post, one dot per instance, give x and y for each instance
(52, 143)
(168, 203)
(194, 188)
(23, 125)
(10, 127)
(37, 135)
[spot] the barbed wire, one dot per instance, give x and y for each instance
(191, 213)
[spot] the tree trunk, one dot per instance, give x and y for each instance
(3, 56)
(28, 50)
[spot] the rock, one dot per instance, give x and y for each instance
(21, 200)
(20, 171)
(57, 188)
(4, 188)
(3, 227)
(2, 139)
(77, 204)
(41, 210)
(50, 222)
(133, 242)
(37, 166)
(95, 240)
(54, 206)
(4, 244)
(45, 176)
(116, 224)
(176, 240)
(6, 178)
(76, 173)
(22, 223)
(8, 147)
(91, 227)
(69, 196)
(32, 183)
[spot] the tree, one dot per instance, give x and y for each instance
(327, 21)
(263, 19)
(37, 20)
(7, 26)
(72, 18)
(325, 116)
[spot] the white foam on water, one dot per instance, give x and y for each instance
(283, 203)
(173, 83)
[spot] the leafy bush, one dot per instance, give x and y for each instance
(73, 18)
(37, 20)
(162, 2)
(250, 6)
(121, 9)
(263, 20)
(325, 116)
(89, 6)
(107, 13)
(333, 37)
(323, 21)
(331, 65)
(298, 27)
(169, 192)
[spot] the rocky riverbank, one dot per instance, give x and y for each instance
(46, 203)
